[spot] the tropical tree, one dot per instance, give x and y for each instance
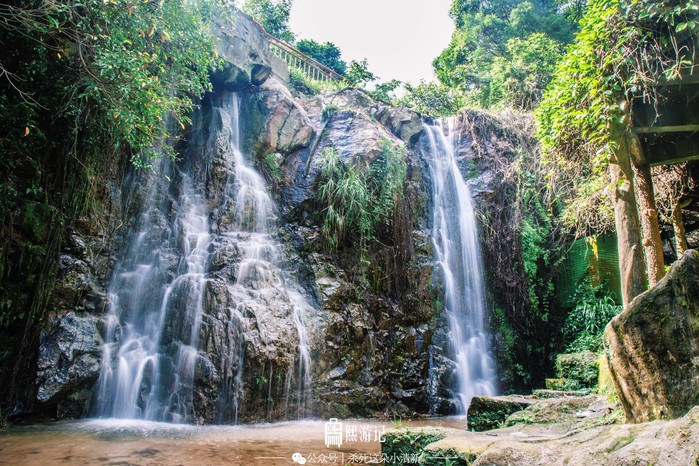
(623, 50)
(491, 35)
(273, 16)
(359, 72)
(328, 54)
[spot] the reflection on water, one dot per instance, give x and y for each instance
(128, 442)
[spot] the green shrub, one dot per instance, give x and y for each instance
(353, 201)
(408, 443)
(585, 324)
(270, 163)
(578, 370)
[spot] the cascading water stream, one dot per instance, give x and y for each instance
(261, 254)
(158, 291)
(457, 254)
(151, 355)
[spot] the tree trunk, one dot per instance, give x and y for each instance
(631, 264)
(652, 244)
(678, 225)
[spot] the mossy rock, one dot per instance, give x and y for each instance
(442, 457)
(555, 384)
(652, 346)
(490, 412)
(549, 393)
(409, 442)
(578, 369)
(605, 379)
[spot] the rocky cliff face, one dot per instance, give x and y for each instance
(380, 346)
(376, 331)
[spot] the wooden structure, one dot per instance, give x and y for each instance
(669, 129)
(662, 131)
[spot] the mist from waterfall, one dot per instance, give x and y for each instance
(457, 255)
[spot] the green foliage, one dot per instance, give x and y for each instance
(520, 77)
(501, 52)
(409, 444)
(432, 99)
(585, 324)
(386, 91)
(578, 370)
(526, 317)
(273, 16)
(305, 85)
(355, 202)
(270, 163)
(359, 73)
(328, 112)
(328, 54)
(123, 66)
(536, 238)
(623, 48)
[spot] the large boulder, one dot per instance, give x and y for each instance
(404, 123)
(244, 49)
(276, 122)
(357, 138)
(653, 346)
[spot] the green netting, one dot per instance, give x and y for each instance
(596, 256)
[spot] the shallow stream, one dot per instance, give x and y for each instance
(128, 442)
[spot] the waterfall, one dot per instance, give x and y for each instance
(457, 254)
(158, 310)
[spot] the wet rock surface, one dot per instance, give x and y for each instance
(570, 430)
(653, 346)
(69, 364)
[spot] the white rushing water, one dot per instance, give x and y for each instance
(260, 264)
(153, 324)
(144, 383)
(455, 237)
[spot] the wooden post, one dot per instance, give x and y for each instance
(631, 264)
(678, 225)
(652, 243)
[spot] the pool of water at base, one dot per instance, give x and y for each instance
(120, 442)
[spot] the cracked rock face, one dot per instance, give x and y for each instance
(69, 363)
(244, 49)
(280, 123)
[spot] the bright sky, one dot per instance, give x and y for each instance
(399, 38)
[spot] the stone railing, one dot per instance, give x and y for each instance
(313, 69)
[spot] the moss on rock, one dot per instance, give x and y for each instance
(579, 370)
(490, 412)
